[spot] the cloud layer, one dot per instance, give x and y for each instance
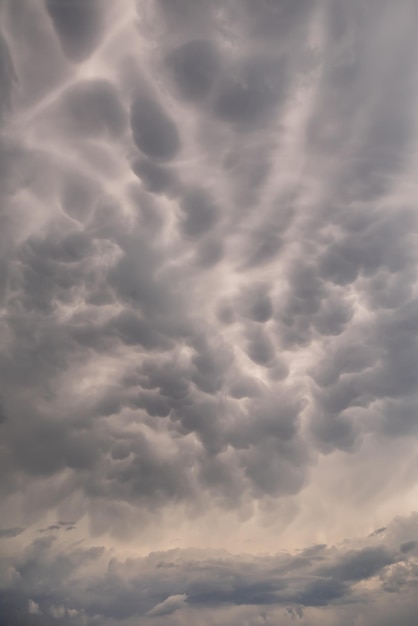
(177, 585)
(208, 295)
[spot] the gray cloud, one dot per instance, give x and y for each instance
(156, 178)
(153, 130)
(200, 212)
(250, 91)
(7, 76)
(169, 606)
(194, 66)
(10, 532)
(256, 303)
(164, 583)
(207, 310)
(78, 26)
(92, 108)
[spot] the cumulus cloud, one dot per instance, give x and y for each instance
(10, 532)
(208, 309)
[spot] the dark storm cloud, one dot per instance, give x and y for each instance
(92, 108)
(380, 372)
(210, 252)
(182, 14)
(262, 248)
(60, 526)
(50, 268)
(78, 195)
(255, 303)
(310, 307)
(132, 330)
(78, 26)
(153, 403)
(211, 363)
(151, 475)
(359, 565)
(200, 212)
(107, 259)
(249, 171)
(382, 147)
(194, 66)
(154, 132)
(169, 377)
(385, 248)
(283, 473)
(208, 297)
(156, 178)
(244, 387)
(275, 19)
(408, 546)
(260, 348)
(131, 278)
(250, 91)
(7, 76)
(164, 582)
(6, 533)
(53, 448)
(25, 26)
(3, 414)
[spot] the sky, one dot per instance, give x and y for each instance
(208, 312)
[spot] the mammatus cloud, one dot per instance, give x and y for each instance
(208, 298)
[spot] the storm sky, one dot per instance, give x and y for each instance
(208, 312)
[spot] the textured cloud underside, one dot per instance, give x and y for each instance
(209, 314)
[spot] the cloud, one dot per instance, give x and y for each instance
(116, 275)
(200, 213)
(7, 75)
(57, 611)
(169, 606)
(208, 312)
(164, 583)
(194, 66)
(91, 108)
(78, 26)
(34, 608)
(154, 132)
(10, 532)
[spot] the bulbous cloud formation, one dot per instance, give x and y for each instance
(208, 296)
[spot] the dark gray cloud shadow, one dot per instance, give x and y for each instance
(78, 25)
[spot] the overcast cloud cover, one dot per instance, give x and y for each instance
(208, 312)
